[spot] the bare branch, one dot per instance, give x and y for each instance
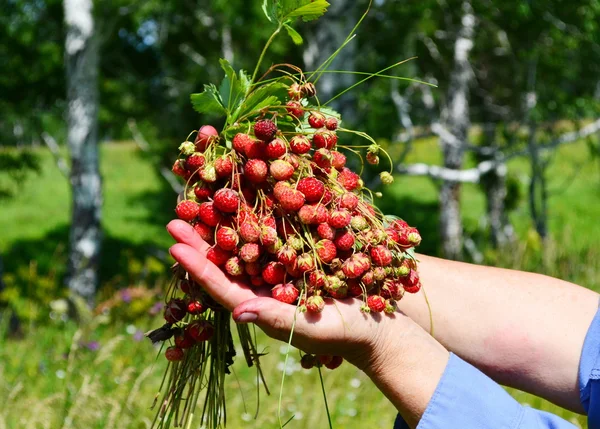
(145, 147)
(61, 162)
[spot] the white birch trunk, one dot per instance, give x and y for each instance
(456, 119)
(81, 56)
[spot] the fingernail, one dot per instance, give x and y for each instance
(246, 318)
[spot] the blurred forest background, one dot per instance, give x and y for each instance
(498, 164)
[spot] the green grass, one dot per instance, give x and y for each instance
(48, 380)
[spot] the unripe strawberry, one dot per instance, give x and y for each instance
(265, 130)
(286, 293)
(218, 256)
(296, 242)
(196, 307)
(331, 123)
(274, 273)
(294, 91)
(281, 170)
(175, 310)
(250, 252)
(386, 178)
(315, 304)
(240, 141)
(379, 273)
(187, 148)
(390, 306)
(308, 361)
(336, 287)
(255, 170)
(201, 330)
(183, 340)
(209, 173)
(206, 136)
(359, 223)
(376, 303)
(275, 148)
(174, 354)
(316, 120)
(334, 363)
(295, 109)
(234, 266)
(300, 144)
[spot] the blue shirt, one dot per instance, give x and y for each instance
(466, 398)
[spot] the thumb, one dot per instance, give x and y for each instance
(272, 316)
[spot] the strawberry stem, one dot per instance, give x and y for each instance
(262, 54)
(325, 398)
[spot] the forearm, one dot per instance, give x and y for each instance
(524, 330)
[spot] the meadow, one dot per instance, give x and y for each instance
(102, 373)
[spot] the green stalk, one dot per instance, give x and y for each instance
(262, 54)
(325, 398)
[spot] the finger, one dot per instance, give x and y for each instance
(183, 232)
(225, 291)
(274, 317)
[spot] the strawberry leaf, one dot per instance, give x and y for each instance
(296, 37)
(232, 88)
(209, 101)
(306, 9)
(264, 96)
(269, 8)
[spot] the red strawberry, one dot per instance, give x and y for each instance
(324, 138)
(174, 354)
(331, 123)
(265, 130)
(316, 120)
(285, 293)
(338, 160)
(327, 197)
(179, 170)
(175, 310)
(196, 307)
(275, 149)
(183, 340)
(308, 89)
(227, 238)
(234, 266)
(280, 189)
(368, 278)
(308, 214)
(224, 166)
(354, 288)
(324, 230)
(257, 281)
(393, 236)
(201, 330)
(294, 91)
(312, 188)
(268, 235)
(286, 254)
(274, 273)
(392, 289)
(250, 252)
(194, 162)
(256, 149)
(250, 231)
(335, 362)
(356, 265)
(255, 170)
(205, 232)
(281, 170)
(305, 262)
(372, 158)
(322, 158)
(376, 303)
(240, 141)
(209, 214)
(344, 240)
(226, 200)
(300, 144)
(339, 218)
(295, 109)
(187, 210)
(291, 200)
(308, 361)
(315, 304)
(206, 135)
(202, 191)
(253, 268)
(381, 255)
(317, 279)
(217, 256)
(326, 251)
(348, 179)
(411, 283)
(349, 201)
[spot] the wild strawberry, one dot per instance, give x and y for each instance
(349, 201)
(335, 287)
(327, 197)
(390, 306)
(250, 252)
(316, 120)
(275, 148)
(335, 362)
(174, 354)
(316, 279)
(392, 289)
(324, 230)
(356, 265)
(315, 304)
(286, 254)
(295, 109)
(187, 210)
(175, 310)
(379, 273)
(308, 361)
(274, 273)
(307, 214)
(209, 214)
(386, 178)
(240, 141)
(205, 232)
(209, 173)
(372, 158)
(344, 240)
(224, 166)
(202, 192)
(255, 170)
(227, 238)
(300, 145)
(376, 303)
(296, 242)
(293, 270)
(206, 135)
(281, 170)
(322, 158)
(250, 231)
(411, 283)
(194, 162)
(339, 218)
(186, 286)
(265, 130)
(179, 169)
(338, 160)
(324, 139)
(331, 123)
(201, 330)
(253, 268)
(268, 235)
(348, 179)
(305, 262)
(256, 149)
(359, 223)
(326, 251)
(285, 293)
(354, 288)
(234, 266)
(218, 256)
(196, 307)
(312, 188)
(368, 278)
(294, 91)
(324, 359)
(226, 200)
(308, 89)
(183, 340)
(291, 200)
(381, 255)
(257, 281)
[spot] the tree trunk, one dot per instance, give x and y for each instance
(456, 119)
(81, 56)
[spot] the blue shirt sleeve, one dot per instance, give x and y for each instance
(466, 398)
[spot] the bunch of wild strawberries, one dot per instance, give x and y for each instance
(281, 210)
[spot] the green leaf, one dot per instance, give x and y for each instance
(266, 95)
(269, 7)
(244, 81)
(209, 101)
(232, 89)
(308, 11)
(296, 37)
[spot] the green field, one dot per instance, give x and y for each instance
(104, 376)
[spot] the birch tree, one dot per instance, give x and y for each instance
(81, 57)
